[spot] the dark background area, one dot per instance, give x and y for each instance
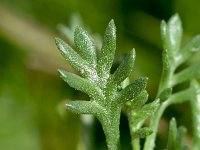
(32, 96)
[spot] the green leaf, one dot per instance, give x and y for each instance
(189, 73)
(85, 45)
(75, 60)
(165, 94)
(171, 34)
(83, 107)
(188, 50)
(176, 136)
(182, 96)
(172, 134)
(195, 109)
(142, 132)
(106, 56)
(67, 32)
(82, 84)
(164, 34)
(146, 111)
(125, 83)
(124, 70)
(175, 32)
(138, 101)
(132, 90)
(166, 71)
(180, 138)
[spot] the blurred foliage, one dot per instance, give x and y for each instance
(31, 97)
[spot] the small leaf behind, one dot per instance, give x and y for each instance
(85, 45)
(142, 132)
(189, 73)
(172, 134)
(188, 50)
(124, 70)
(132, 90)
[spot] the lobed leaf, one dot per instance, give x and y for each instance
(189, 73)
(132, 90)
(85, 45)
(76, 61)
(106, 56)
(82, 84)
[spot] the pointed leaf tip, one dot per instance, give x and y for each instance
(111, 28)
(176, 16)
(163, 27)
(133, 53)
(57, 41)
(112, 22)
(61, 45)
(62, 73)
(175, 20)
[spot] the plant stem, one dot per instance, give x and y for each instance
(150, 140)
(135, 144)
(165, 82)
(111, 129)
(195, 108)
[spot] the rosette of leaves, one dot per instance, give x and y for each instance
(173, 56)
(96, 80)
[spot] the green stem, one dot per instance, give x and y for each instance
(167, 72)
(196, 122)
(165, 82)
(150, 140)
(135, 144)
(110, 125)
(195, 105)
(166, 76)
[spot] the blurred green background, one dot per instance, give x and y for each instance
(32, 115)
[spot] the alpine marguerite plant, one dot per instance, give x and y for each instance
(111, 93)
(96, 80)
